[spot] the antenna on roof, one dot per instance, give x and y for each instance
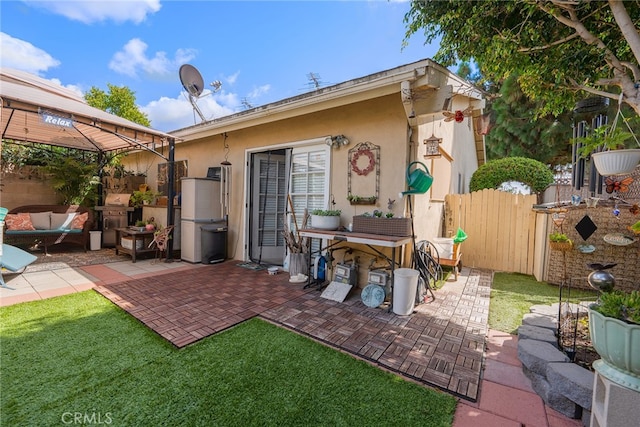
(246, 104)
(314, 79)
(193, 83)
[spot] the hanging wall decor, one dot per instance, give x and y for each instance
(364, 161)
(458, 115)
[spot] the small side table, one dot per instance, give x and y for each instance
(136, 236)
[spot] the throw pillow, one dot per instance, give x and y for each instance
(62, 220)
(41, 220)
(19, 221)
(79, 220)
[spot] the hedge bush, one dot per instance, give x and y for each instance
(531, 172)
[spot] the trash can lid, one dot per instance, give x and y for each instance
(213, 227)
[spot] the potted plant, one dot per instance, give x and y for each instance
(560, 241)
(606, 146)
(361, 200)
(139, 198)
(379, 222)
(325, 219)
(614, 327)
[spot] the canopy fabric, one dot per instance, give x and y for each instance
(35, 110)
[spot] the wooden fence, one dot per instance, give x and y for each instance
(500, 226)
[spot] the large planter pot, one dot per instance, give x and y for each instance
(618, 343)
(325, 222)
(616, 162)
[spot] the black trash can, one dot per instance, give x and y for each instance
(213, 243)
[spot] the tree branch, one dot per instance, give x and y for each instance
(627, 27)
(634, 70)
(555, 43)
(594, 91)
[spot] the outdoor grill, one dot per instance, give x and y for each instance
(114, 214)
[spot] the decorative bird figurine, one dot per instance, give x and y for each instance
(390, 204)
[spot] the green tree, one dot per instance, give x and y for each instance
(518, 133)
(560, 50)
(119, 100)
(74, 179)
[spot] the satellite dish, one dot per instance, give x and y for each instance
(191, 80)
(194, 84)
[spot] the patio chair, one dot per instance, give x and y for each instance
(160, 240)
(15, 260)
(12, 258)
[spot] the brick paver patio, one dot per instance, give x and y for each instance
(441, 344)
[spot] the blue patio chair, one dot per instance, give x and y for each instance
(12, 258)
(15, 260)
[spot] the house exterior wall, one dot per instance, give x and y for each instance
(394, 109)
(450, 177)
(381, 121)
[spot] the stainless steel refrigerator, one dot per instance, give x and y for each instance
(200, 203)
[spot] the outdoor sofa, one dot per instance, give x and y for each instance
(49, 224)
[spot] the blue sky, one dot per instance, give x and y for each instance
(261, 51)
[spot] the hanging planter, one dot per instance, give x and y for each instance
(606, 145)
(560, 242)
(359, 200)
(616, 162)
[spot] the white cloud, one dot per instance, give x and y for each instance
(133, 57)
(89, 12)
(259, 91)
(74, 88)
(167, 114)
(22, 55)
(232, 78)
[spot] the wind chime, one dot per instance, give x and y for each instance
(225, 180)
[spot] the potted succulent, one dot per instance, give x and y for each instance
(614, 327)
(325, 219)
(560, 241)
(607, 147)
(361, 200)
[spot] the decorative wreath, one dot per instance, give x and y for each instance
(370, 166)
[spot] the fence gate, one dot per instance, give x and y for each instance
(500, 227)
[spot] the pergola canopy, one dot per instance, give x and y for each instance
(35, 110)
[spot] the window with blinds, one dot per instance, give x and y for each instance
(309, 180)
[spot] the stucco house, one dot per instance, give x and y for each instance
(304, 149)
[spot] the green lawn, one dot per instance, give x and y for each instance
(81, 356)
(513, 294)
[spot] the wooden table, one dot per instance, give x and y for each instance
(145, 236)
(371, 240)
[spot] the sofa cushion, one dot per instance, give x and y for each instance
(79, 220)
(19, 221)
(62, 220)
(41, 220)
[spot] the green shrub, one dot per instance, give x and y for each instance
(531, 172)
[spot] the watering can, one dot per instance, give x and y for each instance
(418, 180)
